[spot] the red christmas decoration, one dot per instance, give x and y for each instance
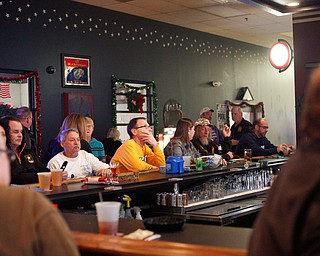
(139, 101)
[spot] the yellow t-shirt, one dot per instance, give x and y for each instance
(133, 157)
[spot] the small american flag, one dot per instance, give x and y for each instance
(5, 91)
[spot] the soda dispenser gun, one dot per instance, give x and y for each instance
(127, 199)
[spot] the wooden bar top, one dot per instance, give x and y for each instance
(96, 244)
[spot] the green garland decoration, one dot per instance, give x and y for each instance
(132, 90)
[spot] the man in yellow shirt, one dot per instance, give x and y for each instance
(141, 152)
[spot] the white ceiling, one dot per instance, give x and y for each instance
(227, 18)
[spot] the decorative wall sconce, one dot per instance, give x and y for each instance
(281, 55)
(244, 93)
(216, 83)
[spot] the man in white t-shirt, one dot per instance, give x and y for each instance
(79, 162)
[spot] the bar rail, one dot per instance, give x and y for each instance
(97, 244)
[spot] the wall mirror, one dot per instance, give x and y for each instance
(131, 99)
(20, 88)
(250, 111)
(172, 112)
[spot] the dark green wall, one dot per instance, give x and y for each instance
(182, 62)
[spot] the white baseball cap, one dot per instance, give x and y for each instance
(202, 122)
(205, 109)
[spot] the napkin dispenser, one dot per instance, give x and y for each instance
(175, 164)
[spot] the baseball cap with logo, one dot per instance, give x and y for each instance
(202, 122)
(205, 109)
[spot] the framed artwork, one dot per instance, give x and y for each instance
(76, 71)
(78, 102)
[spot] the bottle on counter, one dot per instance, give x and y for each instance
(137, 211)
(220, 150)
(199, 164)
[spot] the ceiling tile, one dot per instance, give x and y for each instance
(157, 6)
(222, 11)
(134, 10)
(251, 20)
(193, 15)
(168, 19)
(194, 3)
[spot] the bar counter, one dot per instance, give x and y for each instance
(193, 239)
(150, 182)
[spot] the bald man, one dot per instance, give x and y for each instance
(239, 127)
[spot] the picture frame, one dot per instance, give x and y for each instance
(76, 71)
(78, 102)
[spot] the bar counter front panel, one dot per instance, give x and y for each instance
(144, 192)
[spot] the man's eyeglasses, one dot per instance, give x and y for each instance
(143, 126)
(10, 153)
(264, 127)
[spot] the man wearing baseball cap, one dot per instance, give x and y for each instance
(216, 135)
(202, 142)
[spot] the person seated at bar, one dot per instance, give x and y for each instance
(79, 162)
(74, 120)
(24, 114)
(140, 152)
(96, 146)
(25, 167)
(202, 142)
(111, 143)
(30, 225)
(256, 140)
(180, 144)
(289, 222)
(239, 127)
(216, 135)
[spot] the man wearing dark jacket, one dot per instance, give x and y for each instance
(27, 164)
(256, 140)
(24, 114)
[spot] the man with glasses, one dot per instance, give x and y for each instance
(256, 140)
(141, 152)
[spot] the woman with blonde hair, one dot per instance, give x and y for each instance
(96, 145)
(74, 120)
(180, 144)
(111, 143)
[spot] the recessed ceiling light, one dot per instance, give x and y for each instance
(292, 4)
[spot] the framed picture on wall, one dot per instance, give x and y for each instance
(76, 71)
(78, 102)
